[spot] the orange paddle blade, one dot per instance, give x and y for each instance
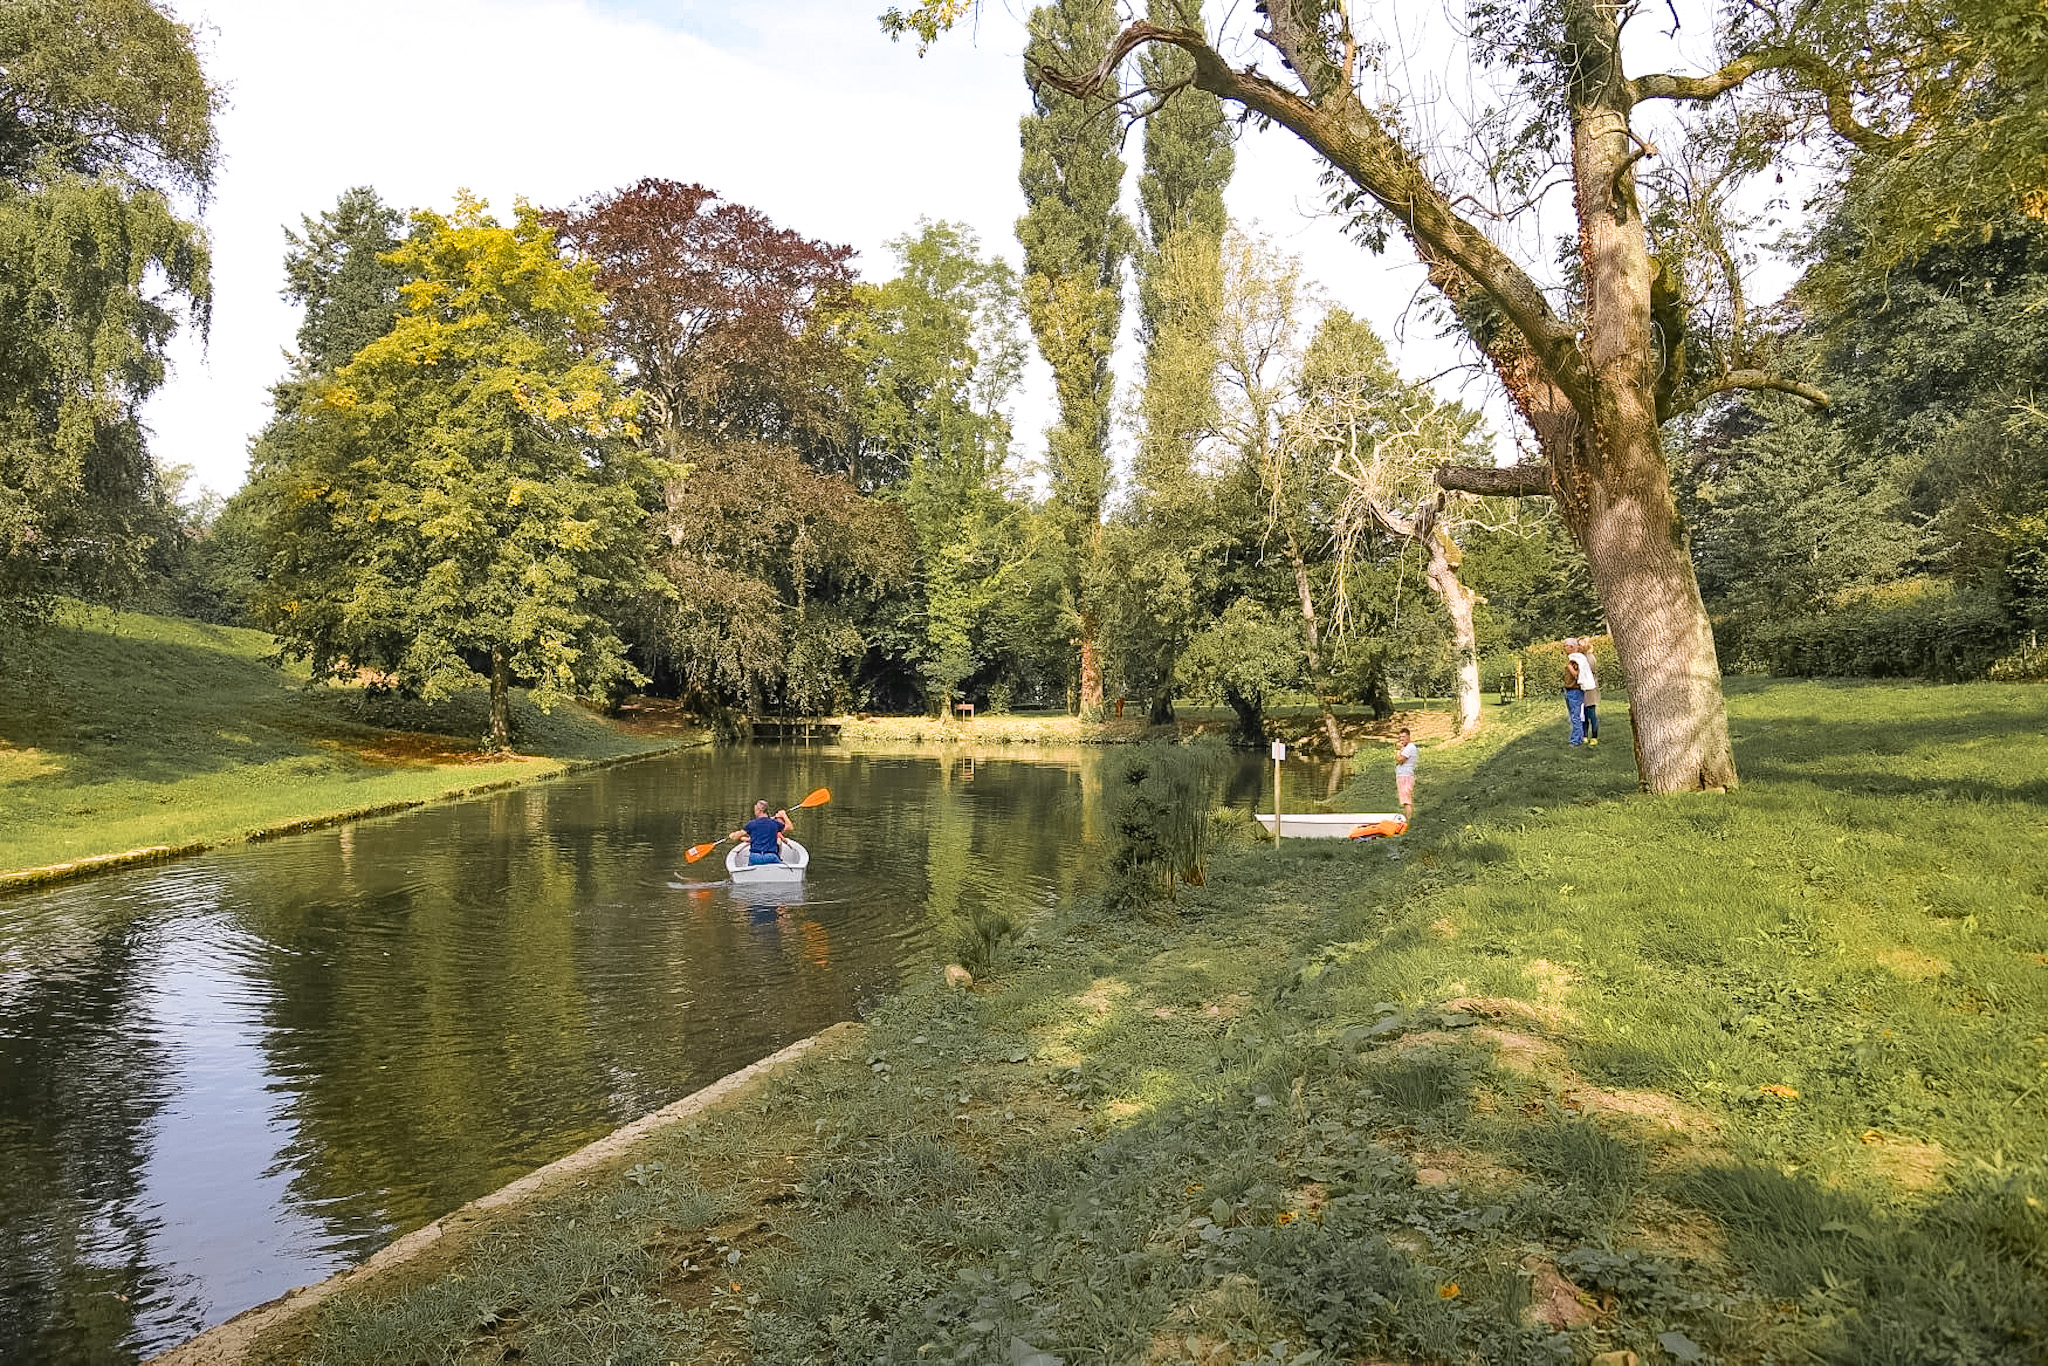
(697, 851)
(818, 798)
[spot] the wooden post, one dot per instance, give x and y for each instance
(1279, 753)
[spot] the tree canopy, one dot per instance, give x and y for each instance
(106, 127)
(465, 496)
(1597, 366)
(726, 322)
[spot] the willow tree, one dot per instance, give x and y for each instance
(1075, 243)
(1628, 340)
(106, 135)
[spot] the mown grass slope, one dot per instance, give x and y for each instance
(1755, 1077)
(128, 731)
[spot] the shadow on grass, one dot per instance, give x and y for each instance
(1262, 1120)
(147, 710)
(1537, 772)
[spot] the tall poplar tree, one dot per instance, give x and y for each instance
(1189, 156)
(1075, 245)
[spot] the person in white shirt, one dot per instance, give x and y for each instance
(1589, 683)
(1404, 774)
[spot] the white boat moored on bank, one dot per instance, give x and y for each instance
(795, 858)
(1320, 825)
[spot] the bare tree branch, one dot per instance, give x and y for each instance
(1691, 397)
(1668, 86)
(1500, 481)
(1834, 88)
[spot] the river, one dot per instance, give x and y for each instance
(230, 1075)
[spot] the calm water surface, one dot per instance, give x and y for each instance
(228, 1076)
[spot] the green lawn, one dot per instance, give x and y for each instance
(1757, 1077)
(130, 731)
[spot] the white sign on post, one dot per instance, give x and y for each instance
(1279, 750)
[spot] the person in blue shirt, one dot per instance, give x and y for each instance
(763, 834)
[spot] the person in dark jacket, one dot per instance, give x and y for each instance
(763, 834)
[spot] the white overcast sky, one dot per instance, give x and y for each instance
(800, 108)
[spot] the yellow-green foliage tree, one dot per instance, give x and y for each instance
(465, 496)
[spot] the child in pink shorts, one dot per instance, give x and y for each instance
(1404, 774)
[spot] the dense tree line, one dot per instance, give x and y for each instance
(1646, 326)
(1904, 528)
(654, 440)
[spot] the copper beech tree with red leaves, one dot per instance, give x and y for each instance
(731, 330)
(728, 322)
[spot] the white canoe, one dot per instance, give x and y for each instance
(1325, 825)
(795, 858)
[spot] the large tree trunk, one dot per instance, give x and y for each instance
(1091, 670)
(501, 701)
(1162, 705)
(1633, 538)
(1251, 718)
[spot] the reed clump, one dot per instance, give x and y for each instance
(1160, 798)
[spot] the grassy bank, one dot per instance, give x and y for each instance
(1298, 726)
(1567, 1071)
(133, 731)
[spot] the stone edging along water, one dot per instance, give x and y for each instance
(228, 1344)
(24, 878)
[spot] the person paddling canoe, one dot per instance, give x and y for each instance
(763, 834)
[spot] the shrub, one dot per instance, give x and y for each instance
(1160, 798)
(980, 939)
(2028, 664)
(1919, 629)
(1497, 671)
(1543, 666)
